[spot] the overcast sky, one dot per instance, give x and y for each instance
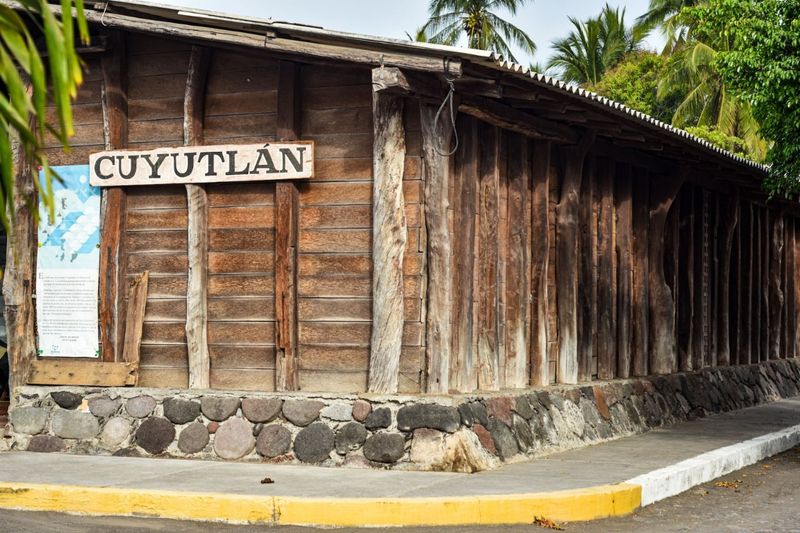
(544, 20)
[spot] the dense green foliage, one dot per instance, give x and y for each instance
(763, 67)
(25, 79)
(450, 20)
(593, 47)
(734, 145)
(634, 82)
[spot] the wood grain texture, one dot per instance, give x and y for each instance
(624, 208)
(662, 348)
(791, 301)
(286, 235)
(587, 310)
(540, 263)
(776, 294)
(436, 140)
(197, 202)
(79, 373)
(137, 301)
(112, 248)
(486, 268)
(639, 254)
(606, 273)
(729, 220)
(388, 243)
(686, 280)
(567, 244)
(518, 265)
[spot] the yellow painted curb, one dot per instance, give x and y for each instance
(565, 506)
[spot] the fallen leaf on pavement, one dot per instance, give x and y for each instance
(267, 480)
(726, 485)
(546, 523)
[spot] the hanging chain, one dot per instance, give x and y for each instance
(447, 99)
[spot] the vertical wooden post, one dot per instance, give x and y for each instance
(586, 308)
(389, 235)
(624, 209)
(757, 255)
(286, 235)
(775, 291)
(112, 242)
(795, 273)
(686, 301)
(766, 247)
(488, 364)
(791, 302)
(540, 253)
(438, 331)
(728, 215)
(639, 251)
(662, 350)
(606, 275)
(197, 204)
(19, 279)
(567, 243)
(518, 268)
(746, 283)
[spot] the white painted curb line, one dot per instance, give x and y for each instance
(675, 479)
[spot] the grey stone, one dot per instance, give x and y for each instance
(573, 418)
(544, 399)
(155, 434)
(274, 440)
(433, 416)
(103, 406)
(361, 410)
(473, 413)
(261, 409)
(181, 411)
(524, 434)
(523, 407)
(127, 452)
(257, 429)
(140, 406)
(66, 399)
(379, 418)
(349, 437)
(219, 408)
(385, 447)
(341, 412)
(234, 439)
(30, 420)
(314, 443)
(589, 412)
(45, 444)
(75, 425)
(302, 412)
(193, 438)
(115, 432)
(504, 440)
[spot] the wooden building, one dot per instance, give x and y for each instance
(566, 238)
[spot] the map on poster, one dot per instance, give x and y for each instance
(67, 268)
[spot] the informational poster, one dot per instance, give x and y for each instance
(67, 268)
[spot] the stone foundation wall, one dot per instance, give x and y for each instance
(452, 433)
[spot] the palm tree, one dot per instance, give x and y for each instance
(594, 46)
(705, 101)
(663, 14)
(450, 20)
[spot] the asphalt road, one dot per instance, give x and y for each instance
(763, 497)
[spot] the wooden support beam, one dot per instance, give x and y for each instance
(791, 301)
(19, 279)
(137, 302)
(486, 280)
(746, 283)
(112, 245)
(463, 370)
(79, 373)
(757, 255)
(714, 287)
(662, 349)
(686, 280)
(287, 215)
(567, 244)
(507, 117)
(624, 248)
(729, 219)
(518, 268)
(735, 288)
(540, 254)
(766, 247)
(389, 234)
(587, 317)
(197, 203)
(436, 166)
(775, 291)
(795, 274)
(641, 268)
(606, 273)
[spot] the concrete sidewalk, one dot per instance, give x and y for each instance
(608, 479)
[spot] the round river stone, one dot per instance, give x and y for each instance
(385, 447)
(314, 443)
(140, 406)
(155, 435)
(302, 412)
(115, 432)
(219, 408)
(234, 439)
(274, 440)
(261, 409)
(193, 438)
(350, 437)
(66, 399)
(75, 425)
(181, 411)
(103, 406)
